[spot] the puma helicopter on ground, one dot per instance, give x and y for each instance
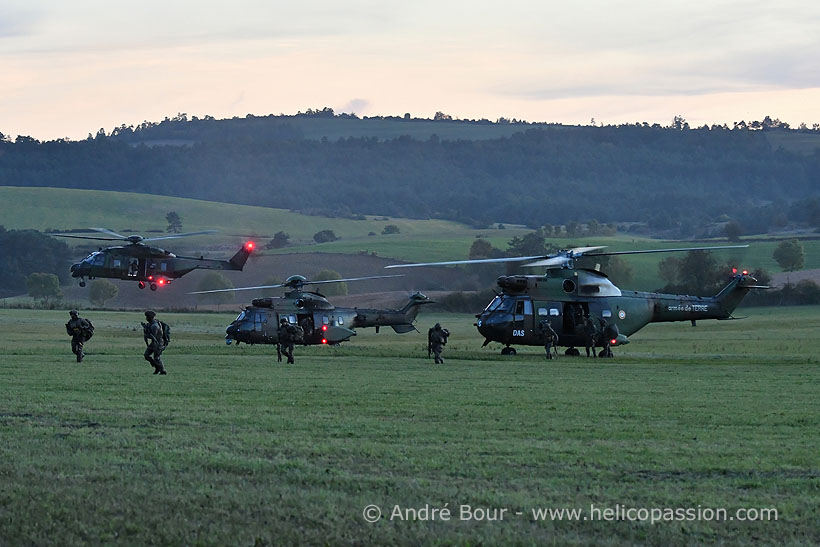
(147, 265)
(566, 296)
(320, 321)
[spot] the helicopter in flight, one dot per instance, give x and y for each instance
(568, 298)
(147, 265)
(320, 321)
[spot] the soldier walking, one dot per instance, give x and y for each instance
(155, 341)
(287, 336)
(550, 336)
(590, 334)
(436, 340)
(80, 330)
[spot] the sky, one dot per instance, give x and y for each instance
(68, 69)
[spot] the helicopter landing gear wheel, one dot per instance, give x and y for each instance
(82, 283)
(153, 286)
(573, 352)
(508, 351)
(141, 285)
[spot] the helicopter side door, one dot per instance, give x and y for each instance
(522, 326)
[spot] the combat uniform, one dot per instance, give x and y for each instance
(590, 333)
(438, 338)
(550, 336)
(286, 334)
(152, 333)
(78, 329)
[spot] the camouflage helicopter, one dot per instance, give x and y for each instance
(321, 321)
(566, 296)
(147, 265)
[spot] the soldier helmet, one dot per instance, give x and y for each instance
(73, 313)
(283, 320)
(437, 326)
(150, 314)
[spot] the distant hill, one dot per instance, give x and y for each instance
(475, 172)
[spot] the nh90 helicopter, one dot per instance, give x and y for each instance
(147, 265)
(565, 297)
(321, 321)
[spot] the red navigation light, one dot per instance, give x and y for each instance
(734, 270)
(161, 282)
(324, 340)
(613, 341)
(249, 245)
(150, 278)
(745, 272)
(324, 327)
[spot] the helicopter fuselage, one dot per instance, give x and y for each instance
(152, 265)
(321, 321)
(567, 297)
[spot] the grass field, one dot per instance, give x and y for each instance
(232, 448)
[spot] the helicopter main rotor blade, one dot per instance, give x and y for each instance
(238, 289)
(350, 279)
(110, 232)
(174, 236)
(475, 261)
(302, 283)
(86, 237)
(554, 261)
(668, 250)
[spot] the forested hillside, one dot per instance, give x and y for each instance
(537, 174)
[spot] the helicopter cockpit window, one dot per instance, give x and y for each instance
(292, 319)
(494, 304)
(241, 316)
(95, 259)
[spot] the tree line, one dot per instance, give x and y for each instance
(543, 175)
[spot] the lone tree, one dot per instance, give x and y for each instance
(331, 289)
(324, 236)
(390, 229)
(101, 291)
(174, 222)
(280, 239)
(733, 231)
(42, 286)
(789, 255)
(213, 281)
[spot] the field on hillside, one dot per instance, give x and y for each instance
(233, 448)
(418, 240)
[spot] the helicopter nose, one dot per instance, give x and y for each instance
(232, 329)
(492, 326)
(75, 269)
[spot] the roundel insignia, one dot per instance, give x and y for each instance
(622, 314)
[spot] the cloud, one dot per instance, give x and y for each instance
(355, 106)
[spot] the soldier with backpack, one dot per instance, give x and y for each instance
(80, 330)
(287, 335)
(157, 336)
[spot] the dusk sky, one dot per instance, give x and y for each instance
(68, 69)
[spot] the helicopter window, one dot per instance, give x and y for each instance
(606, 313)
(340, 320)
(527, 307)
(494, 304)
(542, 311)
(117, 262)
(163, 266)
(519, 307)
(292, 319)
(241, 316)
(555, 312)
(325, 320)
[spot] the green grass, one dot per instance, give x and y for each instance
(232, 448)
